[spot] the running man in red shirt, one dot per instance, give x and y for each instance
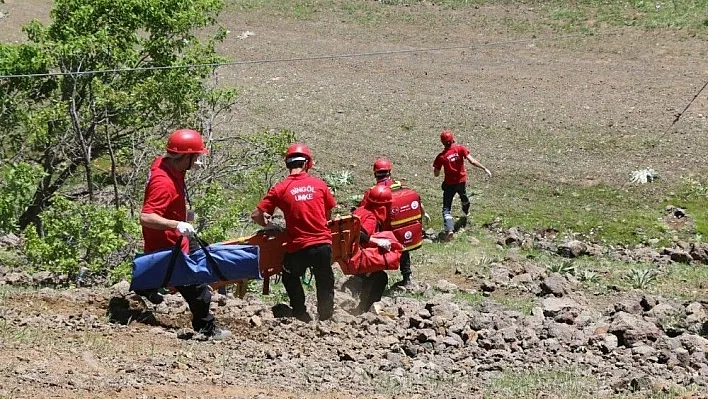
(452, 161)
(163, 219)
(374, 217)
(307, 204)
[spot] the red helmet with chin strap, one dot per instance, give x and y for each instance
(446, 137)
(382, 165)
(185, 141)
(297, 151)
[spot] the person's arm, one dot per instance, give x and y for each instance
(329, 203)
(265, 208)
(158, 196)
(477, 164)
(259, 217)
(157, 222)
(437, 165)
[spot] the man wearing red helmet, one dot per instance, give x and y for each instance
(382, 174)
(163, 219)
(452, 160)
(307, 204)
(373, 217)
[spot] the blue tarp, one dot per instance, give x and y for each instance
(233, 262)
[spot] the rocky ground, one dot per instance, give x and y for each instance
(433, 340)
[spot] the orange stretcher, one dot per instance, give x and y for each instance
(345, 242)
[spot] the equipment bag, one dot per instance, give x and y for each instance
(407, 218)
(373, 259)
(211, 263)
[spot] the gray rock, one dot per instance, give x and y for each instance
(644, 351)
(699, 252)
(648, 302)
(694, 343)
(513, 237)
(121, 288)
(426, 335)
(553, 306)
(631, 329)
(572, 249)
(555, 284)
(499, 275)
(43, 278)
(630, 306)
(445, 286)
(18, 278)
(678, 255)
(662, 311)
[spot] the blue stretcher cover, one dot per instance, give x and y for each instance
(209, 264)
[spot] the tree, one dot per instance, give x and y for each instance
(75, 115)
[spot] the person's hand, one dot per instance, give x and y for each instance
(489, 174)
(427, 217)
(384, 244)
(186, 229)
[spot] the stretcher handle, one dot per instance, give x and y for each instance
(204, 245)
(176, 250)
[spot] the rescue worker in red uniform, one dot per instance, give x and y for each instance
(374, 218)
(307, 203)
(452, 160)
(163, 219)
(382, 174)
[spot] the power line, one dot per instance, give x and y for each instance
(293, 59)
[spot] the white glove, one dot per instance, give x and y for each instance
(427, 217)
(488, 172)
(384, 244)
(186, 229)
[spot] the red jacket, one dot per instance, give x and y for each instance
(305, 202)
(165, 195)
(452, 161)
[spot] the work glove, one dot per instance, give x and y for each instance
(384, 244)
(427, 217)
(488, 172)
(186, 229)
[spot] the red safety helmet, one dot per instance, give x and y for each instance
(380, 195)
(299, 152)
(378, 201)
(382, 165)
(446, 137)
(185, 141)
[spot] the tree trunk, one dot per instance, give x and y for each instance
(45, 191)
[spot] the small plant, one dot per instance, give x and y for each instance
(339, 180)
(642, 277)
(643, 176)
(589, 276)
(564, 268)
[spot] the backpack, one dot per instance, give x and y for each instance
(406, 218)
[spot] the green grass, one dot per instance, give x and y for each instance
(602, 213)
(575, 16)
(554, 384)
(571, 16)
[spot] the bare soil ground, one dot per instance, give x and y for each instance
(586, 108)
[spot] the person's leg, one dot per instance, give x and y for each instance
(320, 257)
(198, 298)
(293, 269)
(448, 195)
(406, 270)
(379, 280)
(364, 294)
(461, 190)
